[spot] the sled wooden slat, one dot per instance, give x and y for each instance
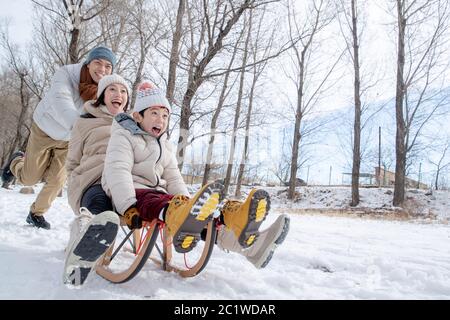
(198, 266)
(140, 257)
(143, 240)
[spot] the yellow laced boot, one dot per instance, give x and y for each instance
(245, 218)
(186, 218)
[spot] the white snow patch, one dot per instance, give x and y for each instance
(323, 257)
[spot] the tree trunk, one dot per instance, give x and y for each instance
(236, 118)
(74, 13)
(247, 137)
(184, 125)
(357, 122)
(24, 101)
(73, 46)
(196, 79)
(174, 58)
(216, 114)
(400, 150)
(209, 155)
(297, 134)
(436, 180)
(139, 70)
(215, 117)
(249, 113)
(19, 140)
(245, 151)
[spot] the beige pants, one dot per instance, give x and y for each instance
(44, 160)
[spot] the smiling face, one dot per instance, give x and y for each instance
(98, 68)
(154, 121)
(116, 98)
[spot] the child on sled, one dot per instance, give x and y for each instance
(143, 180)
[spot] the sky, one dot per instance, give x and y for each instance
(322, 257)
(19, 12)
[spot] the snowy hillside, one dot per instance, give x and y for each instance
(375, 202)
(323, 257)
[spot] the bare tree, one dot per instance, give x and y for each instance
(19, 139)
(24, 66)
(15, 103)
(422, 27)
(316, 20)
(214, 32)
(227, 180)
(352, 24)
(76, 15)
(257, 71)
(220, 104)
(357, 95)
(443, 162)
(174, 53)
(25, 88)
(150, 29)
(281, 168)
(117, 32)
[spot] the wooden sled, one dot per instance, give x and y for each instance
(132, 249)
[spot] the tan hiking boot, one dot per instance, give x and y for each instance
(186, 218)
(245, 218)
(262, 250)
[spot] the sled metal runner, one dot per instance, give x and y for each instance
(130, 252)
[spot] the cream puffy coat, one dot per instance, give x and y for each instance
(87, 151)
(61, 106)
(136, 160)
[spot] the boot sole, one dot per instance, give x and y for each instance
(93, 244)
(281, 237)
(259, 207)
(201, 213)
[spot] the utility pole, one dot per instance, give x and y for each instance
(379, 156)
(307, 176)
(420, 172)
(329, 179)
(224, 160)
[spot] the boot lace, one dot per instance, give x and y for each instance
(231, 206)
(179, 200)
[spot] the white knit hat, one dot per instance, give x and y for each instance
(148, 95)
(110, 79)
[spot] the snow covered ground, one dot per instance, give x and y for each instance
(376, 201)
(323, 257)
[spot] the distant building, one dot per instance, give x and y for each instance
(387, 179)
(365, 179)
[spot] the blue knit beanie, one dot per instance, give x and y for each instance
(101, 53)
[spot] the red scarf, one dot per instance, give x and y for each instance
(88, 87)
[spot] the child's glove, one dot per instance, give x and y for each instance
(132, 218)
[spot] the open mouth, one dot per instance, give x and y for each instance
(116, 104)
(156, 131)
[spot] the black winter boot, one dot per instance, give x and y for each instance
(7, 175)
(38, 221)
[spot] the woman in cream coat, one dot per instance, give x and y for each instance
(87, 150)
(87, 146)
